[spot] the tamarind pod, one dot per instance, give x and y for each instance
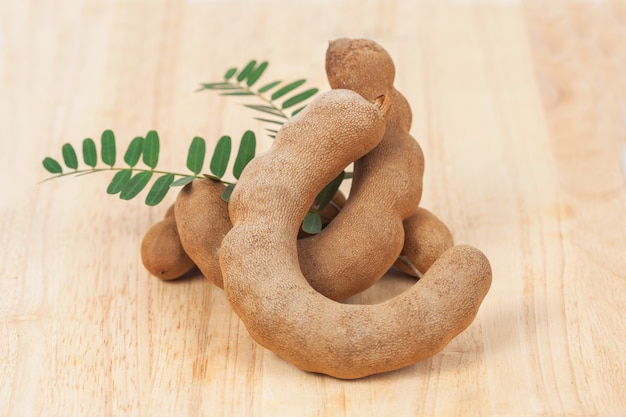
(386, 186)
(161, 251)
(267, 290)
(202, 220)
(426, 237)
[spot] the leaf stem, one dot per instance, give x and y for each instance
(81, 172)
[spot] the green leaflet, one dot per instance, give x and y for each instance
(196, 154)
(227, 192)
(69, 156)
(229, 74)
(119, 181)
(108, 148)
(52, 166)
(151, 149)
(221, 156)
(90, 155)
(133, 153)
(247, 149)
(159, 189)
(247, 70)
(312, 223)
(256, 74)
(183, 181)
(268, 87)
(135, 185)
(328, 192)
(299, 98)
(287, 89)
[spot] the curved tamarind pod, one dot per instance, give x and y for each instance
(202, 220)
(426, 237)
(266, 288)
(161, 251)
(386, 186)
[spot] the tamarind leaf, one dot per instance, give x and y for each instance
(69, 156)
(287, 89)
(227, 192)
(90, 154)
(268, 87)
(135, 185)
(196, 154)
(256, 74)
(52, 166)
(220, 86)
(266, 109)
(328, 192)
(239, 93)
(246, 71)
(299, 98)
(221, 156)
(159, 189)
(278, 122)
(271, 133)
(183, 181)
(247, 149)
(151, 149)
(312, 223)
(348, 175)
(133, 153)
(229, 74)
(108, 148)
(298, 110)
(119, 181)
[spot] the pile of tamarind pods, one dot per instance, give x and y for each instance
(288, 290)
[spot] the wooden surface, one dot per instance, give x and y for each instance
(520, 109)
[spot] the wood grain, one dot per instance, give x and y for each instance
(520, 108)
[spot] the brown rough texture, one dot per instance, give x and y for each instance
(426, 237)
(161, 251)
(268, 291)
(202, 219)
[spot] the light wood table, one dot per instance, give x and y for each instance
(520, 110)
